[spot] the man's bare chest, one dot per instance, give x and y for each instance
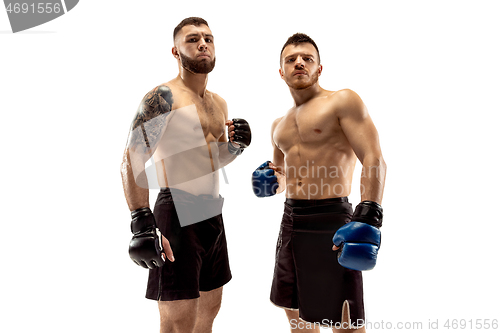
(313, 124)
(199, 114)
(211, 118)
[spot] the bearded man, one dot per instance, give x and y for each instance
(180, 127)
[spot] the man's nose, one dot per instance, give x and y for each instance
(299, 63)
(203, 45)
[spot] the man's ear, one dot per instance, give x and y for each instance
(175, 52)
(320, 70)
(281, 73)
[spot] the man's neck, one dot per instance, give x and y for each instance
(197, 83)
(302, 96)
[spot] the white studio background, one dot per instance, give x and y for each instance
(428, 71)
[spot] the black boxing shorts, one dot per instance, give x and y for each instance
(307, 275)
(200, 250)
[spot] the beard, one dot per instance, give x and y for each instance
(303, 84)
(197, 66)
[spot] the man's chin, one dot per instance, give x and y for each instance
(299, 85)
(203, 66)
(302, 83)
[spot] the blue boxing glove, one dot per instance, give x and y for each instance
(359, 240)
(264, 181)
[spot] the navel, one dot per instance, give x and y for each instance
(318, 131)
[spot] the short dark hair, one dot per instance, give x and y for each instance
(196, 21)
(297, 39)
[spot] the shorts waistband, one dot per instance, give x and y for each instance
(311, 203)
(309, 207)
(185, 196)
(191, 208)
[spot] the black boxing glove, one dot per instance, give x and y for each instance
(369, 212)
(242, 136)
(145, 248)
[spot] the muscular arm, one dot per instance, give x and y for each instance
(278, 164)
(147, 128)
(363, 138)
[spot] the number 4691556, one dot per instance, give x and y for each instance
(477, 324)
(41, 8)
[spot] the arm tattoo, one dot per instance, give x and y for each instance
(150, 119)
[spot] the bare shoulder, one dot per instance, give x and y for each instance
(217, 99)
(150, 119)
(158, 101)
(275, 123)
(345, 96)
(348, 103)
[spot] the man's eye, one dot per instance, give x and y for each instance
(290, 60)
(208, 40)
